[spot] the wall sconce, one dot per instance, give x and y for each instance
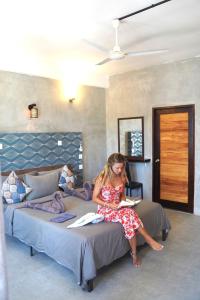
(71, 100)
(33, 111)
(70, 87)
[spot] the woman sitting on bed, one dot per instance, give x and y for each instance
(108, 192)
(67, 185)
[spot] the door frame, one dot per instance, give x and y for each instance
(189, 207)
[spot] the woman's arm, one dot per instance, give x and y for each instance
(123, 196)
(96, 199)
(96, 192)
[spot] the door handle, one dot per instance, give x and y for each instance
(157, 160)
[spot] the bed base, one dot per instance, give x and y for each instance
(88, 286)
(164, 234)
(32, 251)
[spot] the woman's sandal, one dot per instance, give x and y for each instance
(136, 259)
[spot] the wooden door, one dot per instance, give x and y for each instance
(173, 157)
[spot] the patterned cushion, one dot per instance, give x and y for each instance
(14, 189)
(64, 178)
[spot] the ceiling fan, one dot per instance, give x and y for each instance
(116, 53)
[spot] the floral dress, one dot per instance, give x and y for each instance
(125, 215)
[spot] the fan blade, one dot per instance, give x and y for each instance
(147, 52)
(103, 61)
(94, 45)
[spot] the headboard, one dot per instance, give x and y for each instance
(22, 151)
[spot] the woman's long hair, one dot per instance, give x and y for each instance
(107, 171)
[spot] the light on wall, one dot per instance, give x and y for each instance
(33, 111)
(71, 100)
(70, 88)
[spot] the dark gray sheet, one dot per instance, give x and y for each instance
(83, 250)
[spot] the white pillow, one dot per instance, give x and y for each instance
(14, 189)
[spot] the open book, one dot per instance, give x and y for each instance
(129, 202)
(90, 217)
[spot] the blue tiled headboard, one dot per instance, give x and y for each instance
(32, 150)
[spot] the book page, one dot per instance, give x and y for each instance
(129, 202)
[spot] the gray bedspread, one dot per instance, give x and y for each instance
(83, 250)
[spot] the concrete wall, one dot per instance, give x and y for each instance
(135, 93)
(86, 114)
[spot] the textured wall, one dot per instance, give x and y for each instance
(86, 115)
(135, 93)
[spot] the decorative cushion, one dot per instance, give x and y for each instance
(42, 185)
(14, 189)
(64, 178)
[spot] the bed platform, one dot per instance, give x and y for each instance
(83, 250)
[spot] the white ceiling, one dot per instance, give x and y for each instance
(66, 39)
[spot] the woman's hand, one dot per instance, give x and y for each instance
(113, 206)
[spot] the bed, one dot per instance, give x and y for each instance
(83, 250)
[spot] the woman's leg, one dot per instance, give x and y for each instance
(133, 244)
(152, 243)
(136, 259)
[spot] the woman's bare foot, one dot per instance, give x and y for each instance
(156, 246)
(136, 260)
